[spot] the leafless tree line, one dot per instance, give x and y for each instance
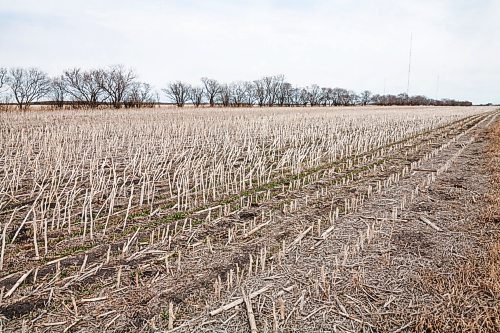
(404, 99)
(118, 87)
(267, 91)
(115, 86)
(276, 91)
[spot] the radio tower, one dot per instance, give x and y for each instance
(409, 68)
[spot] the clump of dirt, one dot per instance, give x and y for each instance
(246, 215)
(414, 242)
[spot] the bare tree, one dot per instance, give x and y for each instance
(5, 98)
(138, 95)
(295, 96)
(326, 96)
(196, 95)
(224, 95)
(28, 85)
(402, 99)
(303, 97)
(275, 89)
(178, 92)
(249, 93)
(365, 97)
(3, 76)
(341, 96)
(116, 82)
(313, 94)
(238, 93)
(212, 89)
(260, 92)
(84, 86)
(271, 89)
(58, 91)
(284, 94)
(353, 98)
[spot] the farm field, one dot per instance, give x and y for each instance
(361, 219)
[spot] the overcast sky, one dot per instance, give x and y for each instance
(336, 43)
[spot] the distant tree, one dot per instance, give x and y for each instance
(402, 99)
(354, 99)
(85, 86)
(196, 95)
(338, 96)
(326, 96)
(390, 99)
(212, 89)
(138, 95)
(116, 82)
(284, 94)
(419, 100)
(260, 92)
(3, 79)
(295, 96)
(348, 97)
(28, 86)
(271, 89)
(303, 97)
(313, 94)
(365, 97)
(58, 91)
(3, 76)
(238, 93)
(178, 92)
(249, 93)
(376, 99)
(272, 85)
(224, 96)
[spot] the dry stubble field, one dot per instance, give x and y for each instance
(250, 220)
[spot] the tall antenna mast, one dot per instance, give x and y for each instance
(409, 67)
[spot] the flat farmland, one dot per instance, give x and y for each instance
(361, 219)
